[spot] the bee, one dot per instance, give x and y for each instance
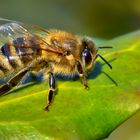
(30, 48)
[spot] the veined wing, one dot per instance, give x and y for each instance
(11, 30)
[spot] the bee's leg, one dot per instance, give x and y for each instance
(51, 91)
(12, 82)
(28, 77)
(82, 75)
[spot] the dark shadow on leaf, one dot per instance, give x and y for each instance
(96, 70)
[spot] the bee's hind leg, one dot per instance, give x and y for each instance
(28, 77)
(13, 82)
(51, 91)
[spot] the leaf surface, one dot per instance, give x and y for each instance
(76, 113)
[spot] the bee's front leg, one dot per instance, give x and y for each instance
(82, 75)
(51, 90)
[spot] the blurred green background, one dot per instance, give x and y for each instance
(96, 18)
(100, 18)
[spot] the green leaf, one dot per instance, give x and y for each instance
(76, 113)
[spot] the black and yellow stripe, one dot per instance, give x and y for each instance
(5, 67)
(8, 51)
(18, 53)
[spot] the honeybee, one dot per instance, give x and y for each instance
(30, 48)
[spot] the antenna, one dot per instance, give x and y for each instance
(104, 60)
(98, 55)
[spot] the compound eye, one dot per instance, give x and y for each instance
(87, 58)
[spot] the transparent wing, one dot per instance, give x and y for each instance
(11, 30)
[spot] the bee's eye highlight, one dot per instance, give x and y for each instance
(86, 55)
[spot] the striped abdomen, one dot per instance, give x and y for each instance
(15, 55)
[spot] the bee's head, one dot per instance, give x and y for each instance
(88, 54)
